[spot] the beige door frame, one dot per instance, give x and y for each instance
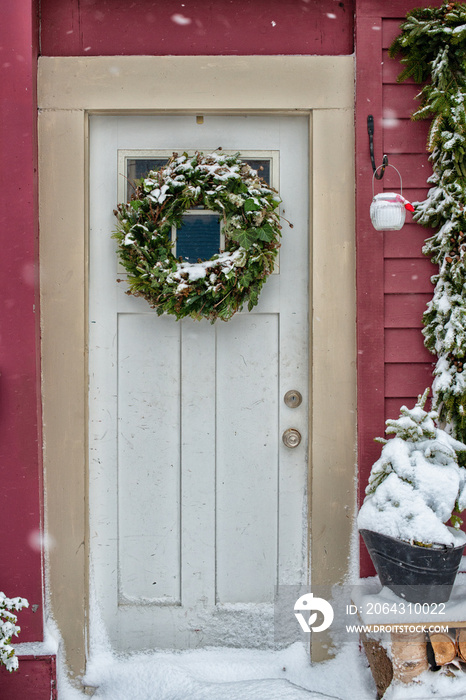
(69, 89)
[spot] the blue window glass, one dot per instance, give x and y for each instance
(262, 167)
(199, 237)
(136, 168)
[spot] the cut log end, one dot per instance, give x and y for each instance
(461, 643)
(444, 648)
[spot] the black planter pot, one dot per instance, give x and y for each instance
(417, 574)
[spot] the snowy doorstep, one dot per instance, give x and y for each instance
(242, 674)
(245, 674)
(239, 674)
(229, 674)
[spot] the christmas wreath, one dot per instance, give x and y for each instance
(214, 288)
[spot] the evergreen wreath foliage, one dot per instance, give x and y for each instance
(214, 288)
(433, 48)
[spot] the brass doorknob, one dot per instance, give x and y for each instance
(291, 437)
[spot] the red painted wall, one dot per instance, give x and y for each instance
(196, 27)
(35, 679)
(20, 420)
(71, 28)
(393, 277)
(20, 467)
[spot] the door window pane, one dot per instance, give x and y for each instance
(262, 166)
(136, 168)
(198, 238)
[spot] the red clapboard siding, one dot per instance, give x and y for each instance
(405, 136)
(406, 243)
(405, 345)
(408, 276)
(413, 195)
(392, 69)
(414, 168)
(393, 364)
(400, 100)
(390, 30)
(393, 406)
(405, 310)
(196, 27)
(402, 380)
(35, 679)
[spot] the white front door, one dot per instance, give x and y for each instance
(198, 510)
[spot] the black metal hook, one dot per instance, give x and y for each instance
(370, 131)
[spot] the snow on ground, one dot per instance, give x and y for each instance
(230, 674)
(240, 674)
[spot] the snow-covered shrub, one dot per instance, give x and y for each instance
(417, 485)
(9, 628)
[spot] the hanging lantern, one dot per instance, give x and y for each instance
(388, 209)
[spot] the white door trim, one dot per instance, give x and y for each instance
(69, 88)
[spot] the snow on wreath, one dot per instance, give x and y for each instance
(214, 288)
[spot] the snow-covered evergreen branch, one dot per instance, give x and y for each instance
(417, 484)
(9, 629)
(433, 48)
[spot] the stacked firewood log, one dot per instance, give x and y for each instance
(449, 648)
(405, 655)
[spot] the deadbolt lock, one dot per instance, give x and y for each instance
(293, 398)
(291, 437)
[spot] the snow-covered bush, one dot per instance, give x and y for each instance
(417, 485)
(9, 628)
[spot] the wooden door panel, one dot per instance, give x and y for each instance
(197, 510)
(247, 420)
(149, 475)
